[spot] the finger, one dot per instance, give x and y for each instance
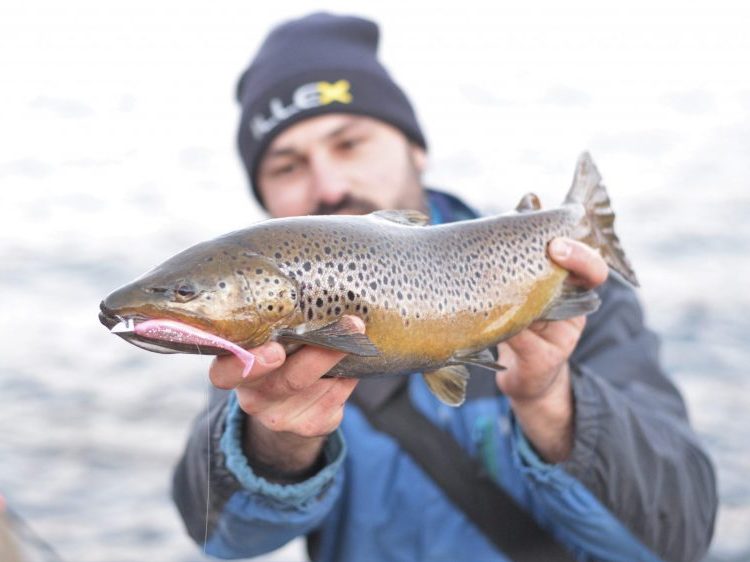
(226, 370)
(311, 413)
(561, 329)
(256, 399)
(324, 415)
(586, 266)
(304, 368)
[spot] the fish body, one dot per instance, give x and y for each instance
(433, 298)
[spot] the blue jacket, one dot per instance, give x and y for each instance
(637, 486)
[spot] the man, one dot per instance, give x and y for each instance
(583, 429)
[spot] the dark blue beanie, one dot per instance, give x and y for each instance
(319, 64)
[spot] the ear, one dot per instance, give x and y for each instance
(418, 157)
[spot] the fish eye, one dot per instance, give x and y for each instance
(185, 292)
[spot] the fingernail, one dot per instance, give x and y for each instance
(270, 355)
(560, 249)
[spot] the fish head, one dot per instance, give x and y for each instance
(220, 288)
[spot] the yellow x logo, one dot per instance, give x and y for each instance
(338, 91)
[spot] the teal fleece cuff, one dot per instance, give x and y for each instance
(289, 496)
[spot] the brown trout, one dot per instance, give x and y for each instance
(434, 299)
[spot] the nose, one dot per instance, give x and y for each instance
(329, 180)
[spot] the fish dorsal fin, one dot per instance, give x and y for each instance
(340, 335)
(483, 359)
(448, 383)
(404, 216)
(571, 302)
(529, 202)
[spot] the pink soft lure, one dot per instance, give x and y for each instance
(171, 330)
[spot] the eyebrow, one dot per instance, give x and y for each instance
(292, 152)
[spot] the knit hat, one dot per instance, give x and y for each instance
(318, 64)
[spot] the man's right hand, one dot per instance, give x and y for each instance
(291, 409)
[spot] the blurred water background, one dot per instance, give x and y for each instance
(117, 128)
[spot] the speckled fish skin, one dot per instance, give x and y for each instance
(424, 292)
(429, 295)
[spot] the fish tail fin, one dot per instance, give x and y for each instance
(597, 227)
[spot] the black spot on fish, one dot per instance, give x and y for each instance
(319, 302)
(373, 285)
(270, 307)
(307, 266)
(350, 295)
(309, 313)
(222, 285)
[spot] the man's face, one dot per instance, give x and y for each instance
(341, 164)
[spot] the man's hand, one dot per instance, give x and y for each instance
(537, 379)
(290, 408)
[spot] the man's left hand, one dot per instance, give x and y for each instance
(537, 379)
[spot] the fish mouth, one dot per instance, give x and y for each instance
(123, 325)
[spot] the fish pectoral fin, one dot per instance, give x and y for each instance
(340, 335)
(529, 202)
(448, 383)
(572, 301)
(408, 217)
(484, 359)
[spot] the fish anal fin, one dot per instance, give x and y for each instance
(404, 216)
(482, 358)
(448, 383)
(571, 302)
(340, 335)
(529, 202)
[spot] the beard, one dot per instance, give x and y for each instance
(348, 205)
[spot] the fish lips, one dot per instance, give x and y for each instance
(110, 319)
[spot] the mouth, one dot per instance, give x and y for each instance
(125, 327)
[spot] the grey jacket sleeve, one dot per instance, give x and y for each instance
(634, 447)
(234, 512)
(195, 499)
